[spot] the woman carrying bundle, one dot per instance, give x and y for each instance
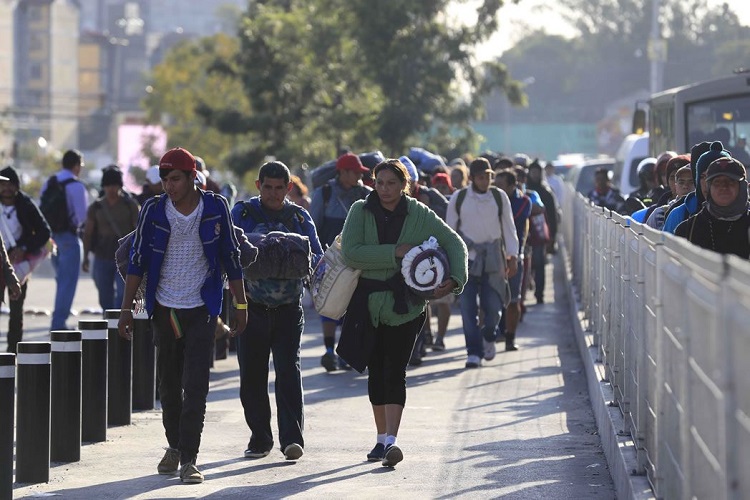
(384, 316)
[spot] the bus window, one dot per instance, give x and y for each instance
(722, 120)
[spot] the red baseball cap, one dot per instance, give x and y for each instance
(350, 161)
(178, 159)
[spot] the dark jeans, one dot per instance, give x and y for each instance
(386, 380)
(538, 261)
(183, 369)
(15, 320)
(272, 330)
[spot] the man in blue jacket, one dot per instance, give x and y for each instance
(185, 242)
(275, 321)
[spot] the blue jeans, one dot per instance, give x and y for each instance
(272, 330)
(491, 304)
(108, 282)
(67, 264)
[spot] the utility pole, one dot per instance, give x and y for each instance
(657, 50)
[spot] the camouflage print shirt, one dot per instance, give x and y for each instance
(252, 217)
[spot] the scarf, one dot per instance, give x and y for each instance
(734, 210)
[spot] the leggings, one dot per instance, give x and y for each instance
(386, 381)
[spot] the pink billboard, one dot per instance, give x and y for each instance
(133, 141)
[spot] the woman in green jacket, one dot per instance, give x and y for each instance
(384, 318)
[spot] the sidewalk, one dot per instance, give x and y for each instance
(519, 427)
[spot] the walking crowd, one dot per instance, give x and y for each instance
(701, 196)
(483, 228)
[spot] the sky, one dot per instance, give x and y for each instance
(514, 17)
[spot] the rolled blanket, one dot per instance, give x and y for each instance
(280, 256)
(425, 267)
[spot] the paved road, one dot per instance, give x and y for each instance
(519, 427)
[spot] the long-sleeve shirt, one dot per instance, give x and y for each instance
(479, 222)
(76, 197)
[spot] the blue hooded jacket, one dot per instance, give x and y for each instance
(220, 245)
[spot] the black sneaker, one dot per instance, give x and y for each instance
(438, 345)
(392, 456)
(377, 453)
(255, 452)
(328, 361)
(293, 451)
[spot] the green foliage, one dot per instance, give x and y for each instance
(185, 83)
(576, 79)
(321, 74)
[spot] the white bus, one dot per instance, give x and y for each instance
(708, 111)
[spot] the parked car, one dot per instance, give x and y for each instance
(581, 176)
(632, 151)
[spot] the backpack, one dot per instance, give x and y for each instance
(461, 195)
(287, 218)
(54, 205)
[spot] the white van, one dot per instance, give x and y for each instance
(633, 149)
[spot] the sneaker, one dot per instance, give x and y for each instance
(392, 456)
(293, 452)
(489, 350)
(190, 474)
(377, 453)
(438, 345)
(170, 463)
(328, 361)
(253, 452)
(473, 361)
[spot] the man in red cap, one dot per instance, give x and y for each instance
(183, 229)
(329, 206)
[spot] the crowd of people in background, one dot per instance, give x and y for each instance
(495, 216)
(701, 196)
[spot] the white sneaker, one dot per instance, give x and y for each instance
(473, 361)
(489, 350)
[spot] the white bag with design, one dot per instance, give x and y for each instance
(333, 282)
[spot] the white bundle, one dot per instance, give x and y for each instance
(425, 267)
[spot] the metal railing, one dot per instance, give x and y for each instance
(671, 326)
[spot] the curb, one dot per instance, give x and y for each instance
(619, 449)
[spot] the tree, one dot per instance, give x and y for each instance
(576, 79)
(321, 74)
(184, 84)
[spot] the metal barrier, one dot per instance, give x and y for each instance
(671, 326)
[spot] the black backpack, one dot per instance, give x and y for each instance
(54, 206)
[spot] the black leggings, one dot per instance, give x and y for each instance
(386, 382)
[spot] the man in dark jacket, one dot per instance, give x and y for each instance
(722, 224)
(29, 232)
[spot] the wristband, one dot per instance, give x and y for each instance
(242, 306)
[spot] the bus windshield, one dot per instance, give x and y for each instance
(726, 120)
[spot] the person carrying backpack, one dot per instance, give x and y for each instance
(329, 206)
(275, 321)
(482, 215)
(64, 200)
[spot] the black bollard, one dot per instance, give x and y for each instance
(144, 368)
(93, 380)
(65, 414)
(120, 383)
(32, 413)
(7, 403)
